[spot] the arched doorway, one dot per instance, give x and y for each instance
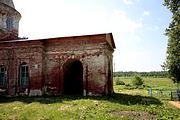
(73, 77)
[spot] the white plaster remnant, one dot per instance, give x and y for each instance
(35, 93)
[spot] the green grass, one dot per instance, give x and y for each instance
(80, 108)
(161, 87)
(155, 83)
(87, 108)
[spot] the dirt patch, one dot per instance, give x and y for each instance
(135, 115)
(175, 103)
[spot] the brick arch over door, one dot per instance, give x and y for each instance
(73, 77)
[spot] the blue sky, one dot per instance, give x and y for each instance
(137, 26)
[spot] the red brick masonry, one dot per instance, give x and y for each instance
(52, 61)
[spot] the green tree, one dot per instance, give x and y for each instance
(137, 81)
(172, 63)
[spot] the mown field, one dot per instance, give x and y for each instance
(125, 104)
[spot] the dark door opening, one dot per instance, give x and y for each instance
(110, 81)
(73, 78)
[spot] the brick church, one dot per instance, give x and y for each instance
(74, 65)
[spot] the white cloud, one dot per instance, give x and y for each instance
(63, 19)
(152, 28)
(66, 19)
(121, 23)
(146, 13)
(130, 2)
(141, 19)
(127, 39)
(156, 27)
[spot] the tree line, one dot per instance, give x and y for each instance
(155, 74)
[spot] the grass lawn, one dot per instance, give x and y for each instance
(117, 106)
(155, 83)
(161, 87)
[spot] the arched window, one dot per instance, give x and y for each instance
(24, 75)
(3, 80)
(9, 23)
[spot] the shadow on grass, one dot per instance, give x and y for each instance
(114, 98)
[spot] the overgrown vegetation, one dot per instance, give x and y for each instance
(161, 87)
(119, 82)
(137, 81)
(81, 108)
(124, 104)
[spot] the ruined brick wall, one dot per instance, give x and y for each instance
(46, 60)
(96, 60)
(92, 59)
(12, 55)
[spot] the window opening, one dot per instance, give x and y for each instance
(24, 75)
(3, 76)
(9, 23)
